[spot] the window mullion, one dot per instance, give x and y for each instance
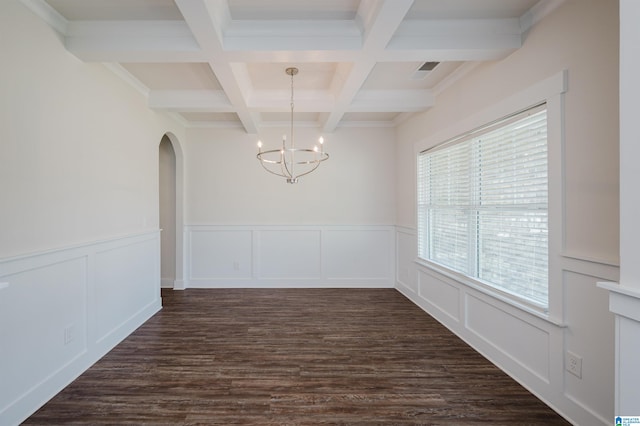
(474, 204)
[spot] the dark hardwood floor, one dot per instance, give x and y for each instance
(294, 356)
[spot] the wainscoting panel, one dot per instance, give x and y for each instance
(33, 341)
(221, 256)
(224, 254)
(358, 254)
(440, 294)
(406, 253)
(62, 310)
(289, 254)
(502, 330)
(524, 343)
(120, 286)
(595, 386)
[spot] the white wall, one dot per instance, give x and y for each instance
(227, 185)
(246, 227)
(79, 244)
(581, 37)
(79, 146)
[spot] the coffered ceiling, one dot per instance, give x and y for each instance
(222, 62)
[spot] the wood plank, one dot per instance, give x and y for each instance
(293, 356)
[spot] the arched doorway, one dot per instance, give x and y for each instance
(170, 212)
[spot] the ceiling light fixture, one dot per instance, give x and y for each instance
(291, 162)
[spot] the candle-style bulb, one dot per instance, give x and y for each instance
(321, 140)
(259, 144)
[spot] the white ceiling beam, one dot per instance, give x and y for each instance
(537, 12)
(172, 41)
(280, 101)
(380, 19)
(48, 14)
(132, 41)
(291, 56)
(190, 101)
(207, 20)
(293, 35)
(463, 34)
(243, 79)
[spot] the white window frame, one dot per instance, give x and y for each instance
(551, 92)
(467, 152)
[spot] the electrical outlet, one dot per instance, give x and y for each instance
(236, 266)
(69, 334)
(574, 364)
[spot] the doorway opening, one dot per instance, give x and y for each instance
(170, 212)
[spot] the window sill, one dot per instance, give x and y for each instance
(503, 297)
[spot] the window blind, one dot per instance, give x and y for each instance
(482, 205)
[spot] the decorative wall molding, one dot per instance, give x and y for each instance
(624, 302)
(78, 302)
(220, 256)
(528, 347)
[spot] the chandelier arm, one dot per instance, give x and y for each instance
(322, 156)
(262, 156)
(285, 159)
(317, 164)
(283, 164)
(263, 162)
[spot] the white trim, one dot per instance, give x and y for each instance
(80, 245)
(127, 77)
(48, 14)
(615, 262)
(549, 91)
(623, 300)
(489, 291)
(537, 13)
(84, 285)
(240, 256)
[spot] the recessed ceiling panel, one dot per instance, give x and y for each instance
(272, 76)
(393, 76)
(352, 55)
(285, 117)
(293, 9)
(116, 10)
(174, 76)
(406, 76)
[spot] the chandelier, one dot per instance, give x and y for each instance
(288, 161)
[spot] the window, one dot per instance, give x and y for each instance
(483, 203)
